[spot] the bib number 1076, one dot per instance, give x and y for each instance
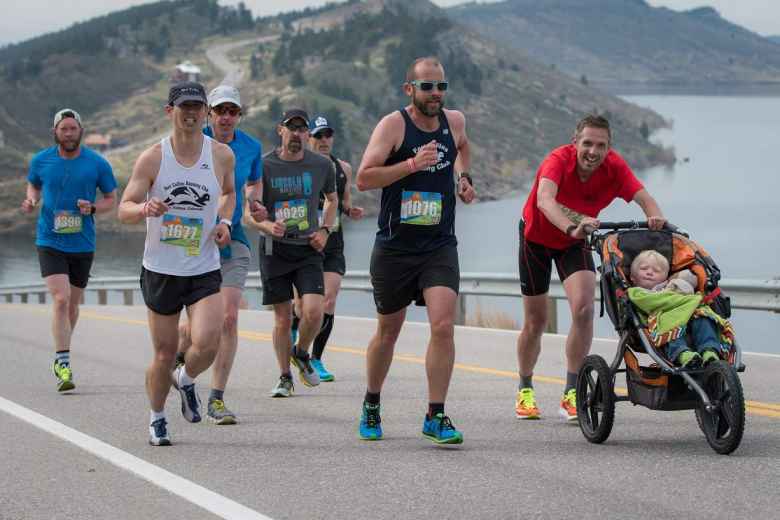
(422, 208)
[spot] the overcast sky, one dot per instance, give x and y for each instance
(29, 18)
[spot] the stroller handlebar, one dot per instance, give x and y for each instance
(634, 224)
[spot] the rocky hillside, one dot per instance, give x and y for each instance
(628, 45)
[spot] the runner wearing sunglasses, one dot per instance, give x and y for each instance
(224, 116)
(413, 155)
(334, 264)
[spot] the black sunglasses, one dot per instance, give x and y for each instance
(222, 110)
(296, 128)
(323, 134)
(427, 86)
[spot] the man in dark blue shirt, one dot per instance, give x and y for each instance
(66, 178)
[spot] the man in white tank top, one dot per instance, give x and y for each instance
(184, 188)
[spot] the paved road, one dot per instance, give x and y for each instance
(301, 458)
(218, 55)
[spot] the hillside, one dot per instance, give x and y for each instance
(353, 69)
(627, 45)
(349, 60)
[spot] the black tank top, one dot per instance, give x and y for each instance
(417, 213)
(336, 238)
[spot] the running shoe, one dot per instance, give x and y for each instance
(218, 413)
(309, 376)
(370, 423)
(568, 409)
(325, 376)
(284, 388)
(708, 357)
(525, 404)
(190, 402)
(64, 377)
(440, 430)
(158, 433)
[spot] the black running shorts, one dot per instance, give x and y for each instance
(399, 277)
(535, 264)
(75, 265)
(168, 294)
(307, 279)
(334, 262)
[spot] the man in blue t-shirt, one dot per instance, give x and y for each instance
(66, 177)
(224, 116)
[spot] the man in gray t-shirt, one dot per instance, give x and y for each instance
(292, 241)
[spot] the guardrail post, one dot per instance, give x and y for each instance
(127, 296)
(41, 297)
(24, 297)
(552, 316)
(460, 310)
(102, 296)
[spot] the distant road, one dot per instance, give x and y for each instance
(218, 55)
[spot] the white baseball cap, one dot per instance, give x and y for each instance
(65, 113)
(224, 94)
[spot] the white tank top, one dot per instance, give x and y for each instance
(180, 242)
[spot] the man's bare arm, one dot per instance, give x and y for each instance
(133, 205)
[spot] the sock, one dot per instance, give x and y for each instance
(435, 408)
(322, 338)
(526, 382)
(153, 416)
(63, 357)
(372, 398)
(571, 381)
(216, 395)
(184, 378)
(287, 375)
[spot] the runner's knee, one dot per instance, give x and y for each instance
(230, 322)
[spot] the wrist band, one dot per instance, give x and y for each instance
(412, 165)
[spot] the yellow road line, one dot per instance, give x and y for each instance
(754, 407)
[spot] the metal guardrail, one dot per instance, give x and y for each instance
(759, 295)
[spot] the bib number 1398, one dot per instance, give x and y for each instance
(422, 208)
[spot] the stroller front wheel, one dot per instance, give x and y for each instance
(724, 424)
(595, 399)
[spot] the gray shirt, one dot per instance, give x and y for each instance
(291, 192)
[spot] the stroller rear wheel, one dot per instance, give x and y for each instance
(724, 424)
(595, 399)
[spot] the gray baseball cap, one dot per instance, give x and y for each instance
(224, 94)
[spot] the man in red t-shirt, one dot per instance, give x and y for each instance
(573, 184)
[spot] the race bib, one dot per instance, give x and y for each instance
(294, 214)
(422, 208)
(336, 223)
(182, 232)
(67, 221)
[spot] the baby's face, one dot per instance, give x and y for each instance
(648, 273)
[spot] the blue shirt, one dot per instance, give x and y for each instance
(62, 182)
(249, 167)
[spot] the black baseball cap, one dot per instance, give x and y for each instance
(186, 91)
(293, 113)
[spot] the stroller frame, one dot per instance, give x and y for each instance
(721, 417)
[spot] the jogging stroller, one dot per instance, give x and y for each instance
(714, 392)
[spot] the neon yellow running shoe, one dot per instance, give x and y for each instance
(568, 408)
(64, 377)
(525, 404)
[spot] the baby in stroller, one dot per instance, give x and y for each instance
(689, 332)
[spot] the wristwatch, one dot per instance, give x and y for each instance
(326, 228)
(570, 229)
(228, 223)
(92, 209)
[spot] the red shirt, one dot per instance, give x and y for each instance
(611, 180)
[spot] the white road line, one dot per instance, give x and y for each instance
(198, 495)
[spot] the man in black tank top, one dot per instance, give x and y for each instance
(413, 155)
(334, 264)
